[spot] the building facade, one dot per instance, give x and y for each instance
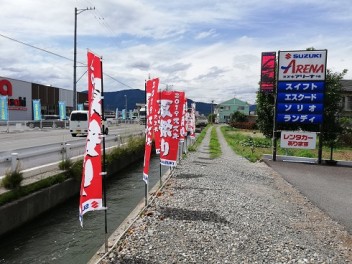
(21, 94)
(347, 98)
(225, 109)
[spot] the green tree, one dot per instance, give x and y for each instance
(332, 106)
(265, 113)
(238, 116)
(211, 118)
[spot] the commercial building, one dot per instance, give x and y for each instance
(21, 94)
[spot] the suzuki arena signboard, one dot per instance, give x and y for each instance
(301, 87)
(304, 65)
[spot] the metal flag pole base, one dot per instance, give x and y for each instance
(146, 194)
(160, 181)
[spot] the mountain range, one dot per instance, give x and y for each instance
(118, 99)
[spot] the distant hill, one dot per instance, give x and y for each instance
(113, 100)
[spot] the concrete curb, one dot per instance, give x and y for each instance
(305, 160)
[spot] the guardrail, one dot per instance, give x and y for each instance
(19, 126)
(23, 125)
(58, 151)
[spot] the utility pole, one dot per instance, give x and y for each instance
(77, 12)
(125, 108)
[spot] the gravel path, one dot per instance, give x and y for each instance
(228, 210)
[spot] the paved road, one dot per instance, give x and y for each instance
(328, 187)
(39, 137)
(38, 147)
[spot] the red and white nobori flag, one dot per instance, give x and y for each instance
(91, 187)
(170, 118)
(156, 126)
(193, 121)
(183, 132)
(152, 96)
(189, 122)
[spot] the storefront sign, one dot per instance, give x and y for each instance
(267, 81)
(299, 119)
(6, 89)
(303, 65)
(300, 140)
(301, 85)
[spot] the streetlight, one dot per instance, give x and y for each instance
(77, 12)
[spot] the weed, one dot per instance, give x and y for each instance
(12, 179)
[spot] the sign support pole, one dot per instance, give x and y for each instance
(275, 112)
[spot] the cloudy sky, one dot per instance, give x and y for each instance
(209, 49)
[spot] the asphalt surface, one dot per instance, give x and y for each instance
(328, 187)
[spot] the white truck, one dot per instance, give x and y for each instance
(79, 123)
(142, 116)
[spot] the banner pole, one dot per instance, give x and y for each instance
(160, 178)
(145, 126)
(104, 165)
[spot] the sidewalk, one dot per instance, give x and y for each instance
(228, 210)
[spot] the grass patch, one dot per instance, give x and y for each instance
(65, 164)
(246, 145)
(31, 188)
(199, 139)
(214, 145)
(252, 145)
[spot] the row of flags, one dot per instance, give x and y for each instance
(37, 113)
(169, 122)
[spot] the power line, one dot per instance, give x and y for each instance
(34, 47)
(60, 56)
(119, 81)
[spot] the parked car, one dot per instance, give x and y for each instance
(79, 123)
(201, 123)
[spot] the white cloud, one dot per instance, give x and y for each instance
(206, 34)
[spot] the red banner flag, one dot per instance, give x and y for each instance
(91, 186)
(170, 118)
(152, 96)
(193, 121)
(183, 131)
(157, 125)
(190, 121)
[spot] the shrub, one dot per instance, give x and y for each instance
(243, 125)
(65, 164)
(12, 179)
(75, 171)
